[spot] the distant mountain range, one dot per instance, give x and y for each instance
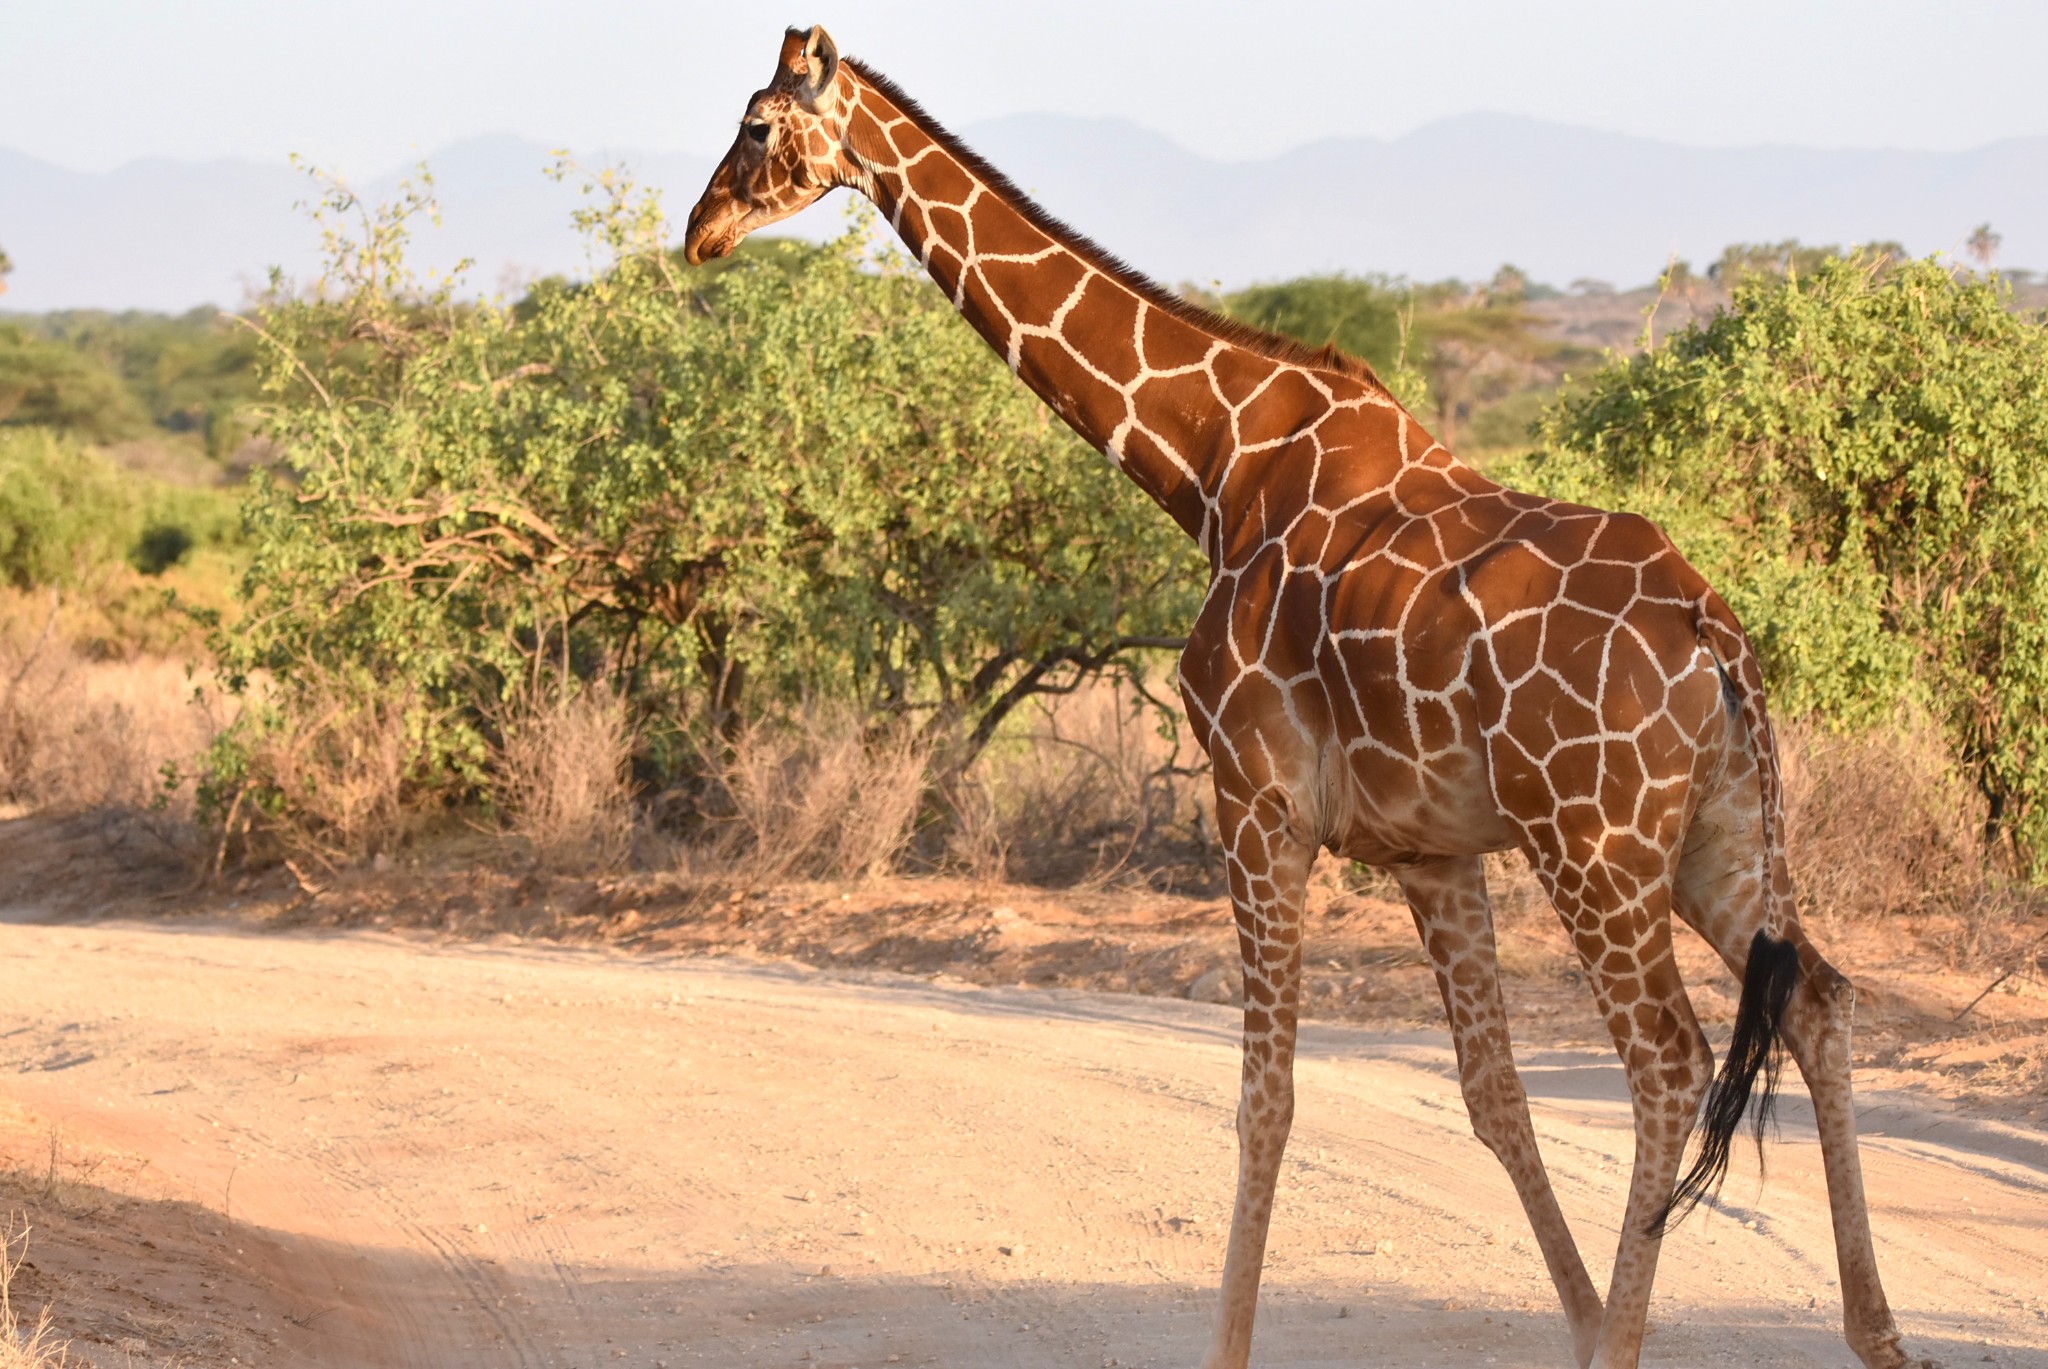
(1456, 198)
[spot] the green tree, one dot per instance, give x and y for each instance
(1856, 454)
(1983, 245)
(1361, 315)
(1489, 361)
(43, 384)
(804, 476)
(1741, 260)
(193, 373)
(1450, 351)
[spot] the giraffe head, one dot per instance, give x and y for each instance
(789, 151)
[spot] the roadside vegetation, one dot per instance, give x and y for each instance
(24, 1344)
(770, 572)
(1855, 455)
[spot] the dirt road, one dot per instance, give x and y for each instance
(358, 1150)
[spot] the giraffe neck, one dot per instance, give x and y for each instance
(1160, 388)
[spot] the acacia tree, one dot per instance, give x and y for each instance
(1361, 315)
(46, 384)
(1740, 260)
(1444, 348)
(1857, 456)
(805, 478)
(1983, 245)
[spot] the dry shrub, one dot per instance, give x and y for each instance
(823, 795)
(564, 777)
(328, 773)
(977, 839)
(1881, 822)
(1519, 898)
(23, 1347)
(79, 734)
(1085, 786)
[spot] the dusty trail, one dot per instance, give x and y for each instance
(369, 1151)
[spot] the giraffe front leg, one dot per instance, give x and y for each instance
(1455, 918)
(1268, 866)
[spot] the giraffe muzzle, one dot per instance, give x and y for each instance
(708, 237)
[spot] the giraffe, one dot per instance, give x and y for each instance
(1407, 664)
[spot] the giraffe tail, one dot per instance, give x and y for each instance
(1768, 983)
(1772, 973)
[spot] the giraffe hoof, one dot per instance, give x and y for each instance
(1898, 1359)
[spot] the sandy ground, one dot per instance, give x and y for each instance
(352, 1148)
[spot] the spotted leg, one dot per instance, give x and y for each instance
(1615, 899)
(1817, 1032)
(1448, 899)
(1268, 859)
(1720, 893)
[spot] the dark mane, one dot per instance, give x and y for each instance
(1258, 340)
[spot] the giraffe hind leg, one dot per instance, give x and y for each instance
(1817, 1033)
(1455, 919)
(1719, 894)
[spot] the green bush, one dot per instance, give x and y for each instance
(1857, 457)
(726, 492)
(64, 509)
(68, 513)
(1362, 315)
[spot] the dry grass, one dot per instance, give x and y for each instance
(337, 765)
(24, 1347)
(1099, 785)
(1083, 788)
(1086, 788)
(564, 778)
(1881, 823)
(824, 795)
(80, 734)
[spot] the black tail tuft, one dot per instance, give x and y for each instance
(1767, 985)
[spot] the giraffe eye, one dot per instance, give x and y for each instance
(757, 130)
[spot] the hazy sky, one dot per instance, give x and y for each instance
(361, 85)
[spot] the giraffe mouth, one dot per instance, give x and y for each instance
(704, 243)
(714, 230)
(697, 251)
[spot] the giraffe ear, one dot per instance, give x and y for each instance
(821, 65)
